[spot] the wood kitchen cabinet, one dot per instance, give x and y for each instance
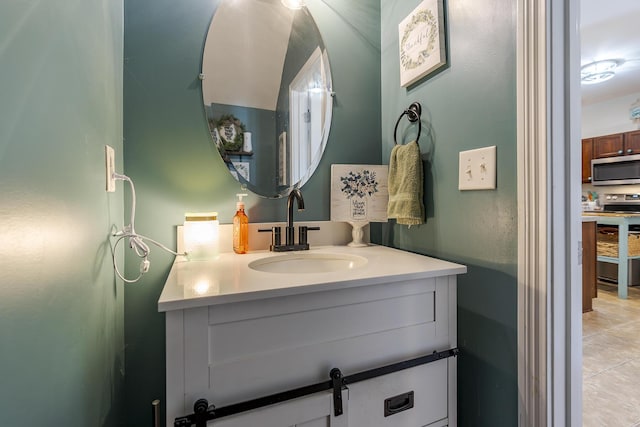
(618, 144)
(608, 146)
(589, 257)
(632, 142)
(587, 155)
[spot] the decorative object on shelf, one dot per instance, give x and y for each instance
(422, 42)
(228, 133)
(247, 147)
(216, 136)
(359, 195)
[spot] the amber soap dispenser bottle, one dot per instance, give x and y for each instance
(240, 228)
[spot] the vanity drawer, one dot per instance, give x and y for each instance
(430, 398)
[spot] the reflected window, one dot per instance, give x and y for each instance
(307, 98)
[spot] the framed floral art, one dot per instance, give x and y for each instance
(359, 193)
(422, 42)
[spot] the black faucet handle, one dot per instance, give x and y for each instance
(276, 235)
(302, 233)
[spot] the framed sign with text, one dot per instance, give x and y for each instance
(422, 42)
(359, 193)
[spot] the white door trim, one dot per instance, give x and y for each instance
(532, 208)
(549, 276)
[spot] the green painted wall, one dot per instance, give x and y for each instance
(61, 309)
(175, 168)
(469, 105)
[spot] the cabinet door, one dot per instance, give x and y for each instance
(587, 155)
(416, 397)
(311, 411)
(608, 146)
(632, 142)
(589, 281)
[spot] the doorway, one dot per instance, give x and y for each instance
(549, 303)
(549, 288)
(611, 343)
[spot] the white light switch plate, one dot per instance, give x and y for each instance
(477, 169)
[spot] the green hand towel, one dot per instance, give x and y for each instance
(405, 185)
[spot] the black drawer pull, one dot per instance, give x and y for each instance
(398, 403)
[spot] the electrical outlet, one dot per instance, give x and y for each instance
(110, 168)
(477, 169)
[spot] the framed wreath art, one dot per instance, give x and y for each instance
(422, 42)
(228, 132)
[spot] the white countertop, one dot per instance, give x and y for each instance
(229, 279)
(611, 214)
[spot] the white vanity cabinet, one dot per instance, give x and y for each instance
(234, 345)
(312, 411)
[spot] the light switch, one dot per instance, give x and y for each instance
(477, 169)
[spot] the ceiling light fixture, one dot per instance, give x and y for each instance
(599, 71)
(293, 4)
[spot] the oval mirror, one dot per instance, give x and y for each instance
(267, 93)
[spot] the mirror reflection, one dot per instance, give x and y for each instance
(267, 93)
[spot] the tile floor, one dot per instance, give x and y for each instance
(611, 360)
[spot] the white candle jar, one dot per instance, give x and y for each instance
(201, 241)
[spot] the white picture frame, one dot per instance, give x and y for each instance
(422, 42)
(359, 193)
(243, 169)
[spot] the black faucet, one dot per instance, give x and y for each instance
(290, 243)
(290, 231)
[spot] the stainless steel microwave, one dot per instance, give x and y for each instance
(616, 170)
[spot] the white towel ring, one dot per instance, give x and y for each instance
(413, 115)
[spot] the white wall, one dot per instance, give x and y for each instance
(611, 116)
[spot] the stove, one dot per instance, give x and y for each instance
(629, 203)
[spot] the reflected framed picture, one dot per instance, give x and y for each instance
(422, 42)
(243, 169)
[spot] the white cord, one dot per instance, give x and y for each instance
(136, 241)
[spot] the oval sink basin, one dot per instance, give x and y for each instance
(301, 263)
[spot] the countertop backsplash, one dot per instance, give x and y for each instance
(597, 191)
(331, 233)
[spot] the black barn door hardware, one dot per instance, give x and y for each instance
(337, 381)
(204, 412)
